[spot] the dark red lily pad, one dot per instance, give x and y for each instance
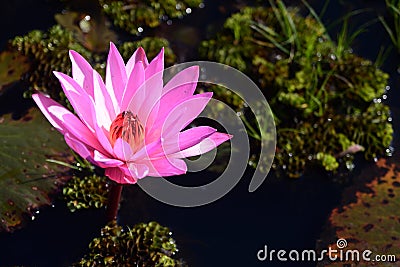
(372, 220)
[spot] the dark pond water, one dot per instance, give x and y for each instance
(282, 213)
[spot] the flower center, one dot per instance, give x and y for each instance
(128, 127)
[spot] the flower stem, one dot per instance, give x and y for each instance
(114, 198)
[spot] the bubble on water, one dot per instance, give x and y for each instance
(188, 10)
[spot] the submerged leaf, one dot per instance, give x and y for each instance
(92, 32)
(12, 67)
(27, 181)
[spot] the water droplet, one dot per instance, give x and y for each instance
(290, 155)
(34, 188)
(375, 159)
(239, 113)
(33, 218)
(178, 6)
(384, 96)
(332, 56)
(140, 29)
(188, 10)
(169, 22)
(202, 5)
(87, 17)
(350, 165)
(390, 119)
(329, 119)
(37, 212)
(387, 88)
(10, 202)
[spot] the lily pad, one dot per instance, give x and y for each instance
(27, 180)
(372, 222)
(12, 66)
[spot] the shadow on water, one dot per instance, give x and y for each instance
(282, 213)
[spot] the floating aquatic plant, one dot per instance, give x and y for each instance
(47, 51)
(134, 16)
(87, 192)
(323, 101)
(146, 244)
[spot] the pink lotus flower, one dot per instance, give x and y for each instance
(131, 124)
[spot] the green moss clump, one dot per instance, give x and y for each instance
(324, 97)
(129, 14)
(48, 52)
(88, 192)
(144, 245)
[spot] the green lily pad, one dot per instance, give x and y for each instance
(27, 180)
(12, 66)
(372, 222)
